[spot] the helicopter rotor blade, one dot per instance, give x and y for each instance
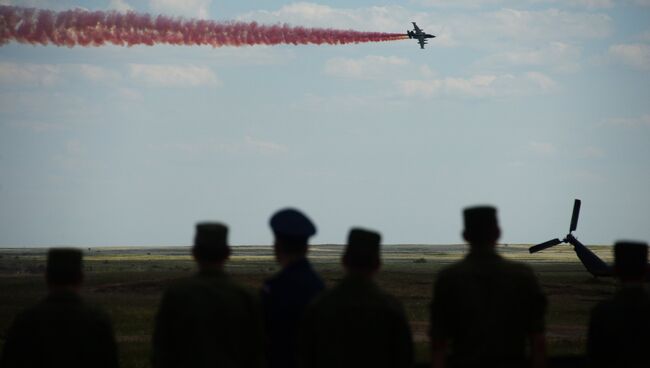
(544, 245)
(575, 215)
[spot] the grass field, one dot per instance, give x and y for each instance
(128, 283)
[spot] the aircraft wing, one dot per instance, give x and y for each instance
(422, 42)
(417, 29)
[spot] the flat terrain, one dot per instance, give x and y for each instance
(128, 283)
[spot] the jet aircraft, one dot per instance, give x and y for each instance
(419, 35)
(594, 265)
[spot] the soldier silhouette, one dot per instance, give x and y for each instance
(286, 295)
(619, 328)
(208, 320)
(356, 324)
(62, 330)
(485, 309)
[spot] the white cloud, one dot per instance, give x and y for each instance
(73, 156)
(129, 94)
(51, 74)
(37, 126)
(590, 4)
(96, 73)
(592, 152)
(258, 55)
(542, 148)
(349, 102)
(630, 122)
(74, 147)
(174, 75)
(245, 145)
(369, 67)
(264, 147)
(376, 18)
(43, 4)
(119, 5)
(30, 74)
(559, 56)
(478, 86)
(542, 81)
(188, 8)
(421, 81)
(538, 25)
(460, 3)
(636, 56)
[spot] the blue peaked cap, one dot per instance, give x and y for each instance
(292, 223)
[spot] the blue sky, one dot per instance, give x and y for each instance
(522, 104)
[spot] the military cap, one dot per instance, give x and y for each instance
(630, 258)
(289, 223)
(64, 266)
(480, 219)
(362, 249)
(210, 241)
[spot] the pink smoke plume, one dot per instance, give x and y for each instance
(84, 28)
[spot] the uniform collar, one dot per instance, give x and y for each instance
(483, 253)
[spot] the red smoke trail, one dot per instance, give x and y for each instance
(83, 28)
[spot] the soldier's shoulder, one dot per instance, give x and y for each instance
(95, 312)
(79, 310)
(270, 284)
(455, 269)
(391, 301)
(324, 299)
(604, 309)
(241, 290)
(27, 315)
(339, 295)
(179, 286)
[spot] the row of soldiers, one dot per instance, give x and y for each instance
(486, 311)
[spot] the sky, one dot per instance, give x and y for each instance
(522, 104)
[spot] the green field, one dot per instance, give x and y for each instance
(128, 283)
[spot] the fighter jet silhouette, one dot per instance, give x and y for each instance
(419, 35)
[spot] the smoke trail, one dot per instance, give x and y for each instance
(83, 28)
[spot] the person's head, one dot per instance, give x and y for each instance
(631, 260)
(64, 268)
(291, 230)
(211, 244)
(361, 254)
(481, 226)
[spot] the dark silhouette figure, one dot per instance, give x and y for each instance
(286, 295)
(619, 329)
(356, 324)
(486, 309)
(208, 320)
(62, 330)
